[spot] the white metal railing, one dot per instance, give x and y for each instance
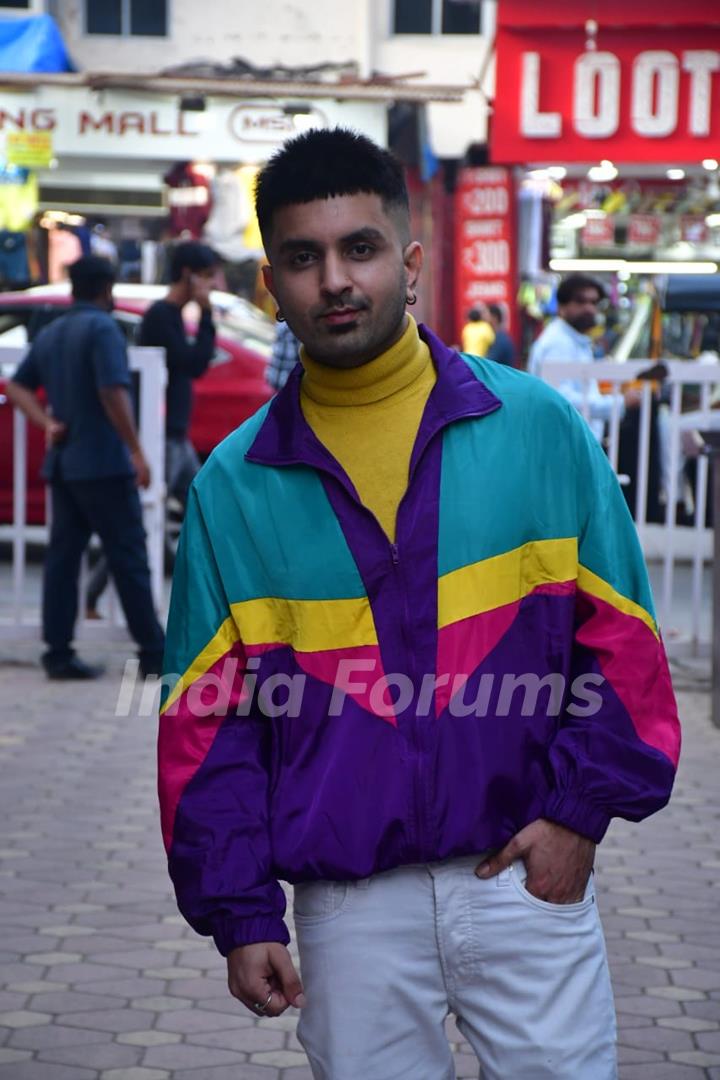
(668, 542)
(23, 620)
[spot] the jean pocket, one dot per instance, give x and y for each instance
(518, 876)
(319, 901)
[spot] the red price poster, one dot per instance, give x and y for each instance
(598, 232)
(643, 230)
(485, 242)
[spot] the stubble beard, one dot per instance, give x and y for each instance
(376, 335)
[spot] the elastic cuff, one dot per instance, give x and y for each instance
(574, 812)
(249, 932)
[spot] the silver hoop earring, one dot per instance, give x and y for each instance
(279, 316)
(411, 299)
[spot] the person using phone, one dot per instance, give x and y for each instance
(192, 273)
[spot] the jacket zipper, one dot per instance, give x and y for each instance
(417, 741)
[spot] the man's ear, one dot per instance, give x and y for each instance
(413, 258)
(269, 280)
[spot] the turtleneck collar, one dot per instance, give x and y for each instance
(388, 374)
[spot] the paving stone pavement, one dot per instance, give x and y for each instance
(100, 979)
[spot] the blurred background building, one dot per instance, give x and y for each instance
(538, 138)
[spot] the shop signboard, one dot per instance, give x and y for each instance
(598, 232)
(644, 230)
(485, 241)
(630, 89)
(29, 149)
(140, 126)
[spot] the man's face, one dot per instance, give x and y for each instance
(581, 311)
(340, 270)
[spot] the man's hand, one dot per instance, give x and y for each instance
(256, 970)
(558, 861)
(200, 289)
(55, 431)
(142, 469)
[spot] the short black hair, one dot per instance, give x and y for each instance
(474, 315)
(90, 277)
(570, 286)
(496, 311)
(325, 162)
(191, 255)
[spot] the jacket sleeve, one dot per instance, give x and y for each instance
(618, 741)
(213, 761)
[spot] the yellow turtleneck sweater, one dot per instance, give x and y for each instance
(368, 418)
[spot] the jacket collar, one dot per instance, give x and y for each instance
(286, 438)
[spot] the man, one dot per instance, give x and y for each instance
(366, 563)
(193, 267)
(566, 338)
(477, 334)
(502, 350)
(93, 465)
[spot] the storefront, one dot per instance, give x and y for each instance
(607, 124)
(163, 159)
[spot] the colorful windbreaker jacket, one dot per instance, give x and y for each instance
(284, 755)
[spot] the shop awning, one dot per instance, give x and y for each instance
(368, 90)
(36, 44)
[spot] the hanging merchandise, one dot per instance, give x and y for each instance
(229, 217)
(188, 199)
(14, 268)
(232, 227)
(18, 198)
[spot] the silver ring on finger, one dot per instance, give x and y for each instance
(260, 1006)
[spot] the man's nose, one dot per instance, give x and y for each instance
(335, 278)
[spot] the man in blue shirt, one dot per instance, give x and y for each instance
(566, 338)
(94, 465)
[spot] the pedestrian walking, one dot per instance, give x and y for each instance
(477, 335)
(93, 465)
(413, 669)
(193, 267)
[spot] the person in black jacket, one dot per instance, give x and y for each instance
(192, 272)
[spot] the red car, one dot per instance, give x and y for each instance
(232, 389)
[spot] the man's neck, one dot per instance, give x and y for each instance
(99, 304)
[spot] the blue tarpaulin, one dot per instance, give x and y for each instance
(32, 45)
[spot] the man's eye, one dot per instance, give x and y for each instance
(302, 258)
(362, 251)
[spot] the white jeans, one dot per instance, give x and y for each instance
(384, 960)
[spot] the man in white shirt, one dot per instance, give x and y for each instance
(566, 338)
